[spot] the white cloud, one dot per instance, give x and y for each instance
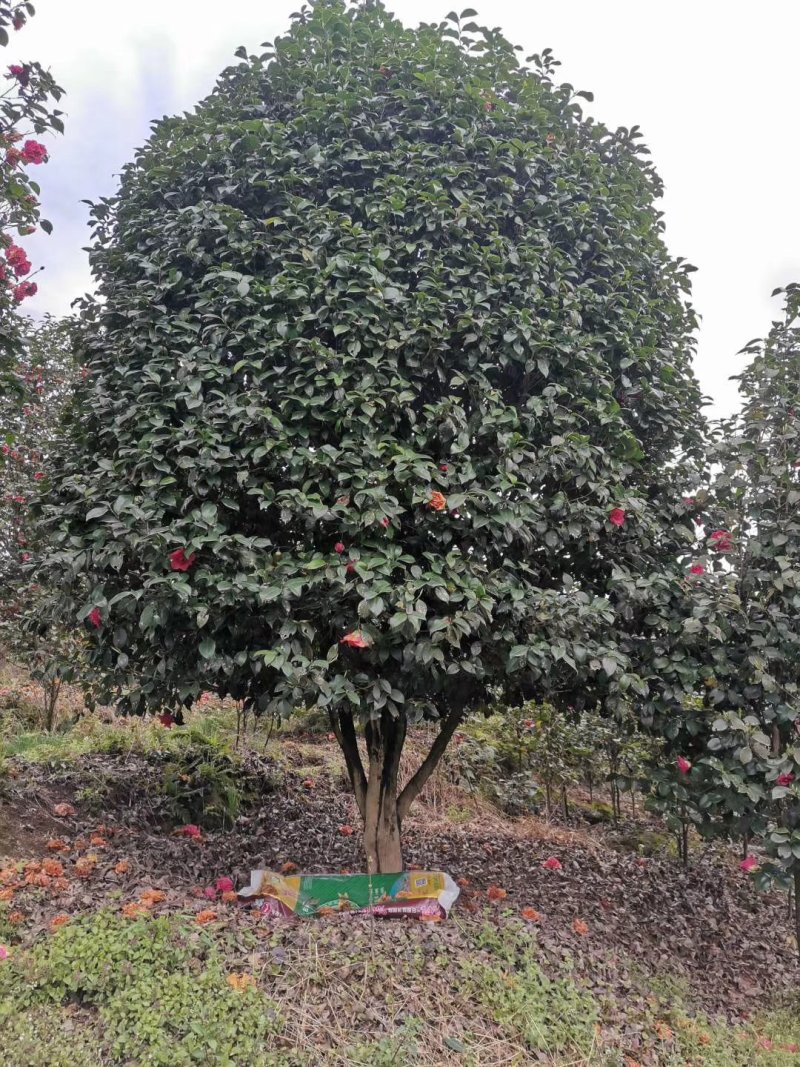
(713, 90)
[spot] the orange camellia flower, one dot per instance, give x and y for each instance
(346, 830)
(495, 892)
(8, 875)
(122, 867)
(241, 981)
(38, 878)
(98, 841)
(438, 501)
(58, 920)
(580, 927)
(133, 910)
(663, 1032)
(230, 896)
(288, 867)
(355, 639)
(59, 885)
(53, 868)
(205, 916)
(7, 893)
(531, 915)
(55, 844)
(84, 866)
(152, 896)
(16, 917)
(63, 810)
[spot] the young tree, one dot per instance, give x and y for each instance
(388, 383)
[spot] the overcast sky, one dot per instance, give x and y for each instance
(713, 85)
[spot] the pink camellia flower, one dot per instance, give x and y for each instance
(552, 864)
(338, 548)
(616, 516)
(528, 724)
(721, 540)
(749, 864)
(18, 21)
(179, 561)
(210, 893)
(94, 617)
(355, 639)
(350, 568)
(24, 290)
(3, 952)
(18, 499)
(5, 449)
(25, 557)
(384, 522)
(15, 70)
(683, 765)
(13, 156)
(443, 468)
(38, 476)
(688, 501)
(15, 254)
(697, 568)
(224, 885)
(190, 830)
(34, 152)
(22, 268)
(784, 779)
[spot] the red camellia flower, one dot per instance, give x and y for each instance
(34, 152)
(25, 557)
(94, 617)
(16, 70)
(15, 255)
(22, 268)
(616, 516)
(25, 289)
(384, 522)
(5, 449)
(749, 864)
(19, 21)
(38, 475)
(190, 830)
(350, 568)
(552, 864)
(683, 765)
(355, 639)
(443, 467)
(338, 547)
(784, 779)
(697, 568)
(167, 720)
(179, 561)
(721, 540)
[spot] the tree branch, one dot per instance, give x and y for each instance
(345, 731)
(416, 783)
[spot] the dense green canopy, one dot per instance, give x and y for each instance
(376, 265)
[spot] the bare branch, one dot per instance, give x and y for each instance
(417, 782)
(345, 731)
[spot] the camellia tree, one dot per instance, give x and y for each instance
(389, 398)
(747, 613)
(27, 92)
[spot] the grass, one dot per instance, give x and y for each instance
(106, 991)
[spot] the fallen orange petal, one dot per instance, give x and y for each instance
(206, 916)
(531, 915)
(123, 867)
(58, 920)
(288, 867)
(580, 927)
(16, 917)
(152, 896)
(495, 892)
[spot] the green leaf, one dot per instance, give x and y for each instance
(207, 648)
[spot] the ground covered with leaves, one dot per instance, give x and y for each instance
(126, 944)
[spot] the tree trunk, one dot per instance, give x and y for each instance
(385, 738)
(376, 793)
